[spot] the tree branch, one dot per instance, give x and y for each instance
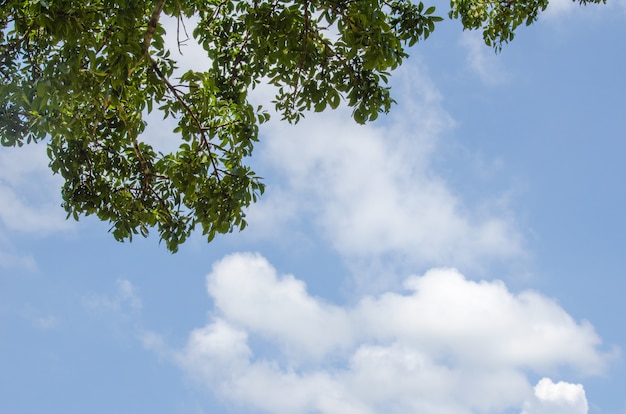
(303, 56)
(187, 108)
(152, 23)
(144, 165)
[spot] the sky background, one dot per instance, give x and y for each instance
(464, 254)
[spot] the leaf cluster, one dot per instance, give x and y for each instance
(82, 75)
(499, 19)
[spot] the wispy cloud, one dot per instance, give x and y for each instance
(30, 203)
(125, 299)
(46, 322)
(445, 344)
(370, 189)
(40, 319)
(557, 9)
(10, 259)
(29, 193)
(482, 60)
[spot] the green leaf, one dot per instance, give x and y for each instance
(81, 76)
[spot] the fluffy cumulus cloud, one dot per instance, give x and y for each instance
(559, 398)
(444, 344)
(371, 190)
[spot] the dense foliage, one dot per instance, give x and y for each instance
(81, 75)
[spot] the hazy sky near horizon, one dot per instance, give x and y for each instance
(462, 255)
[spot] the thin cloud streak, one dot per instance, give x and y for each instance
(482, 60)
(124, 300)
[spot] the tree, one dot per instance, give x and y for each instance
(80, 75)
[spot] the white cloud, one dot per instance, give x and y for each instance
(445, 344)
(482, 59)
(294, 316)
(559, 398)
(227, 347)
(370, 189)
(30, 202)
(29, 193)
(561, 8)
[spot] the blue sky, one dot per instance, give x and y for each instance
(464, 254)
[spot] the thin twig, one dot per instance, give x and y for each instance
(179, 19)
(302, 56)
(189, 111)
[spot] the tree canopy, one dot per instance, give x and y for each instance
(81, 75)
